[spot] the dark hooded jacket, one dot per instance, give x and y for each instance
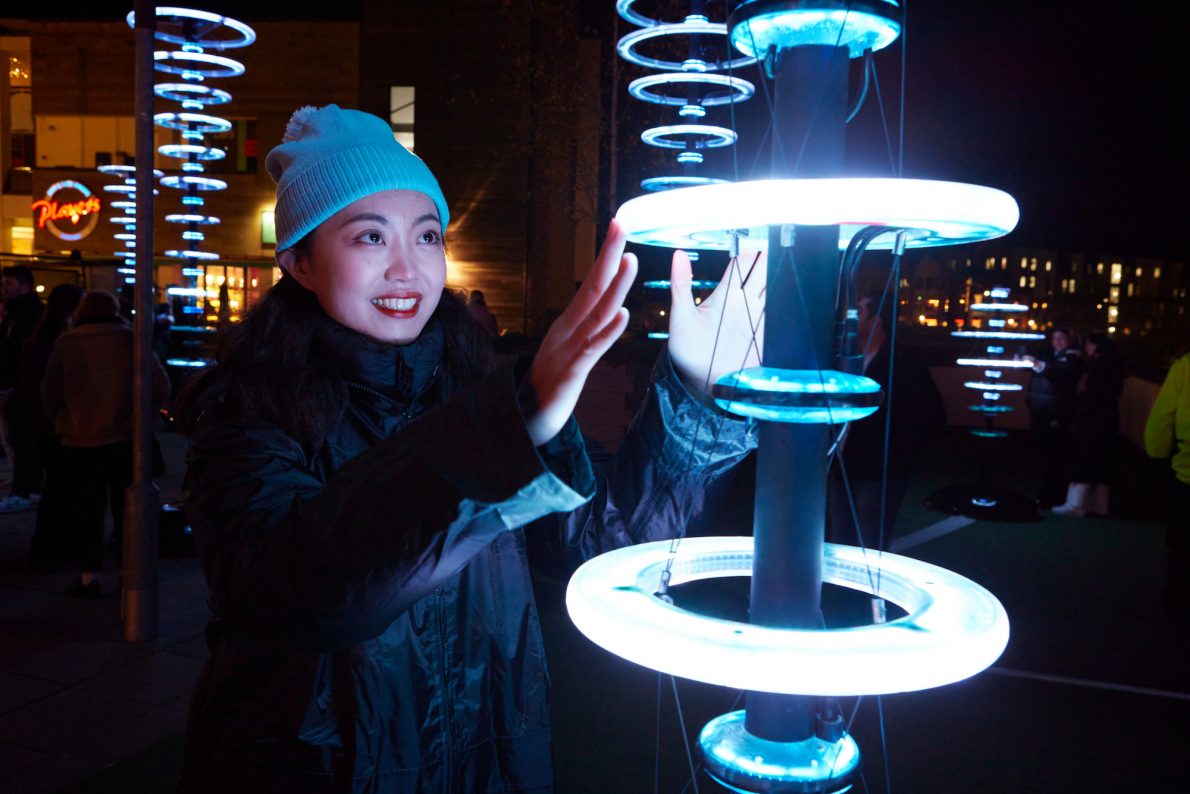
(376, 629)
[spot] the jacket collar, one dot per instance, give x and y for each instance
(398, 370)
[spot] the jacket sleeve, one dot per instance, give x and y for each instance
(1160, 432)
(663, 475)
(325, 564)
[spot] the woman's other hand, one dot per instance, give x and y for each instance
(594, 320)
(724, 333)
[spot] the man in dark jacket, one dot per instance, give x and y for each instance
(1051, 400)
(22, 312)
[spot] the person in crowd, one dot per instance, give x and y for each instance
(1167, 436)
(88, 390)
(53, 538)
(23, 309)
(360, 468)
(918, 416)
(1095, 440)
(1051, 400)
(478, 307)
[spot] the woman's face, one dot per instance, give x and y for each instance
(1060, 341)
(1090, 347)
(378, 265)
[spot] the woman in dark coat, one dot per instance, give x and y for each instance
(1051, 399)
(359, 472)
(1096, 429)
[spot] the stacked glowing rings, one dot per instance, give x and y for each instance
(713, 216)
(954, 628)
(692, 26)
(127, 221)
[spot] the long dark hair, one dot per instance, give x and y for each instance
(274, 364)
(63, 300)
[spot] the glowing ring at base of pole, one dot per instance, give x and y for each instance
(736, 758)
(657, 183)
(954, 628)
(709, 216)
(797, 396)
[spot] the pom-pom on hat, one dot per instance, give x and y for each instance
(331, 157)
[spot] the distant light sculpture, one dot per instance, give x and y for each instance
(190, 66)
(783, 741)
(125, 223)
(983, 499)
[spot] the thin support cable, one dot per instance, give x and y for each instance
(685, 736)
(892, 160)
(883, 744)
(904, 57)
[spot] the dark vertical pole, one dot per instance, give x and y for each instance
(142, 500)
(810, 107)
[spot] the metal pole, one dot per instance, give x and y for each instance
(142, 500)
(808, 141)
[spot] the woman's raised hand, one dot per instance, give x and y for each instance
(594, 320)
(724, 333)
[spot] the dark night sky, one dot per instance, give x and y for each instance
(1073, 110)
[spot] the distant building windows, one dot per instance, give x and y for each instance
(1024, 281)
(1099, 269)
(400, 113)
(1130, 289)
(1048, 266)
(1157, 272)
(1117, 273)
(1140, 272)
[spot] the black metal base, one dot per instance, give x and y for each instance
(985, 503)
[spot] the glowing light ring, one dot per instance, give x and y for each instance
(189, 362)
(127, 220)
(196, 182)
(127, 189)
(204, 255)
(997, 335)
(983, 386)
(164, 61)
(205, 220)
(192, 92)
(999, 307)
(932, 212)
(954, 628)
(186, 150)
(991, 409)
(627, 46)
(979, 433)
(737, 90)
(798, 396)
(857, 25)
(192, 122)
(992, 362)
(663, 283)
(624, 9)
(657, 183)
(715, 136)
(120, 170)
(737, 758)
(169, 14)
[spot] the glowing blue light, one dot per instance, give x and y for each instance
(201, 95)
(997, 323)
(191, 292)
(663, 283)
(736, 89)
(192, 272)
(184, 150)
(128, 221)
(991, 409)
(692, 111)
(126, 270)
(192, 122)
(996, 349)
(999, 293)
(192, 310)
(872, 26)
(658, 335)
(192, 201)
(798, 396)
(997, 335)
(983, 501)
(627, 46)
(981, 433)
(954, 628)
(690, 157)
(712, 137)
(189, 235)
(971, 384)
(124, 236)
(999, 307)
(206, 220)
(991, 395)
(189, 362)
(205, 255)
(993, 373)
(739, 760)
(171, 16)
(128, 189)
(711, 216)
(656, 183)
(178, 62)
(197, 182)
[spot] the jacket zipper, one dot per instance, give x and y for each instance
(448, 705)
(407, 411)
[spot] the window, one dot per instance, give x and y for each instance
(1117, 273)
(400, 113)
(1099, 269)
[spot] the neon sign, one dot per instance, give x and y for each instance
(82, 215)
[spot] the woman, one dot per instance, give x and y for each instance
(1096, 429)
(1050, 398)
(360, 468)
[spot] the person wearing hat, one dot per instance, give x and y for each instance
(361, 467)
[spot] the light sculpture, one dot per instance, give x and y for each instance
(785, 740)
(125, 223)
(983, 499)
(194, 32)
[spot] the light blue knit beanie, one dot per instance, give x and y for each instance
(331, 157)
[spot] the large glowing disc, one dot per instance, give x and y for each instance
(932, 212)
(858, 25)
(954, 628)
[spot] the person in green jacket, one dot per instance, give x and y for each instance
(1167, 435)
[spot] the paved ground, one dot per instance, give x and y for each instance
(1091, 695)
